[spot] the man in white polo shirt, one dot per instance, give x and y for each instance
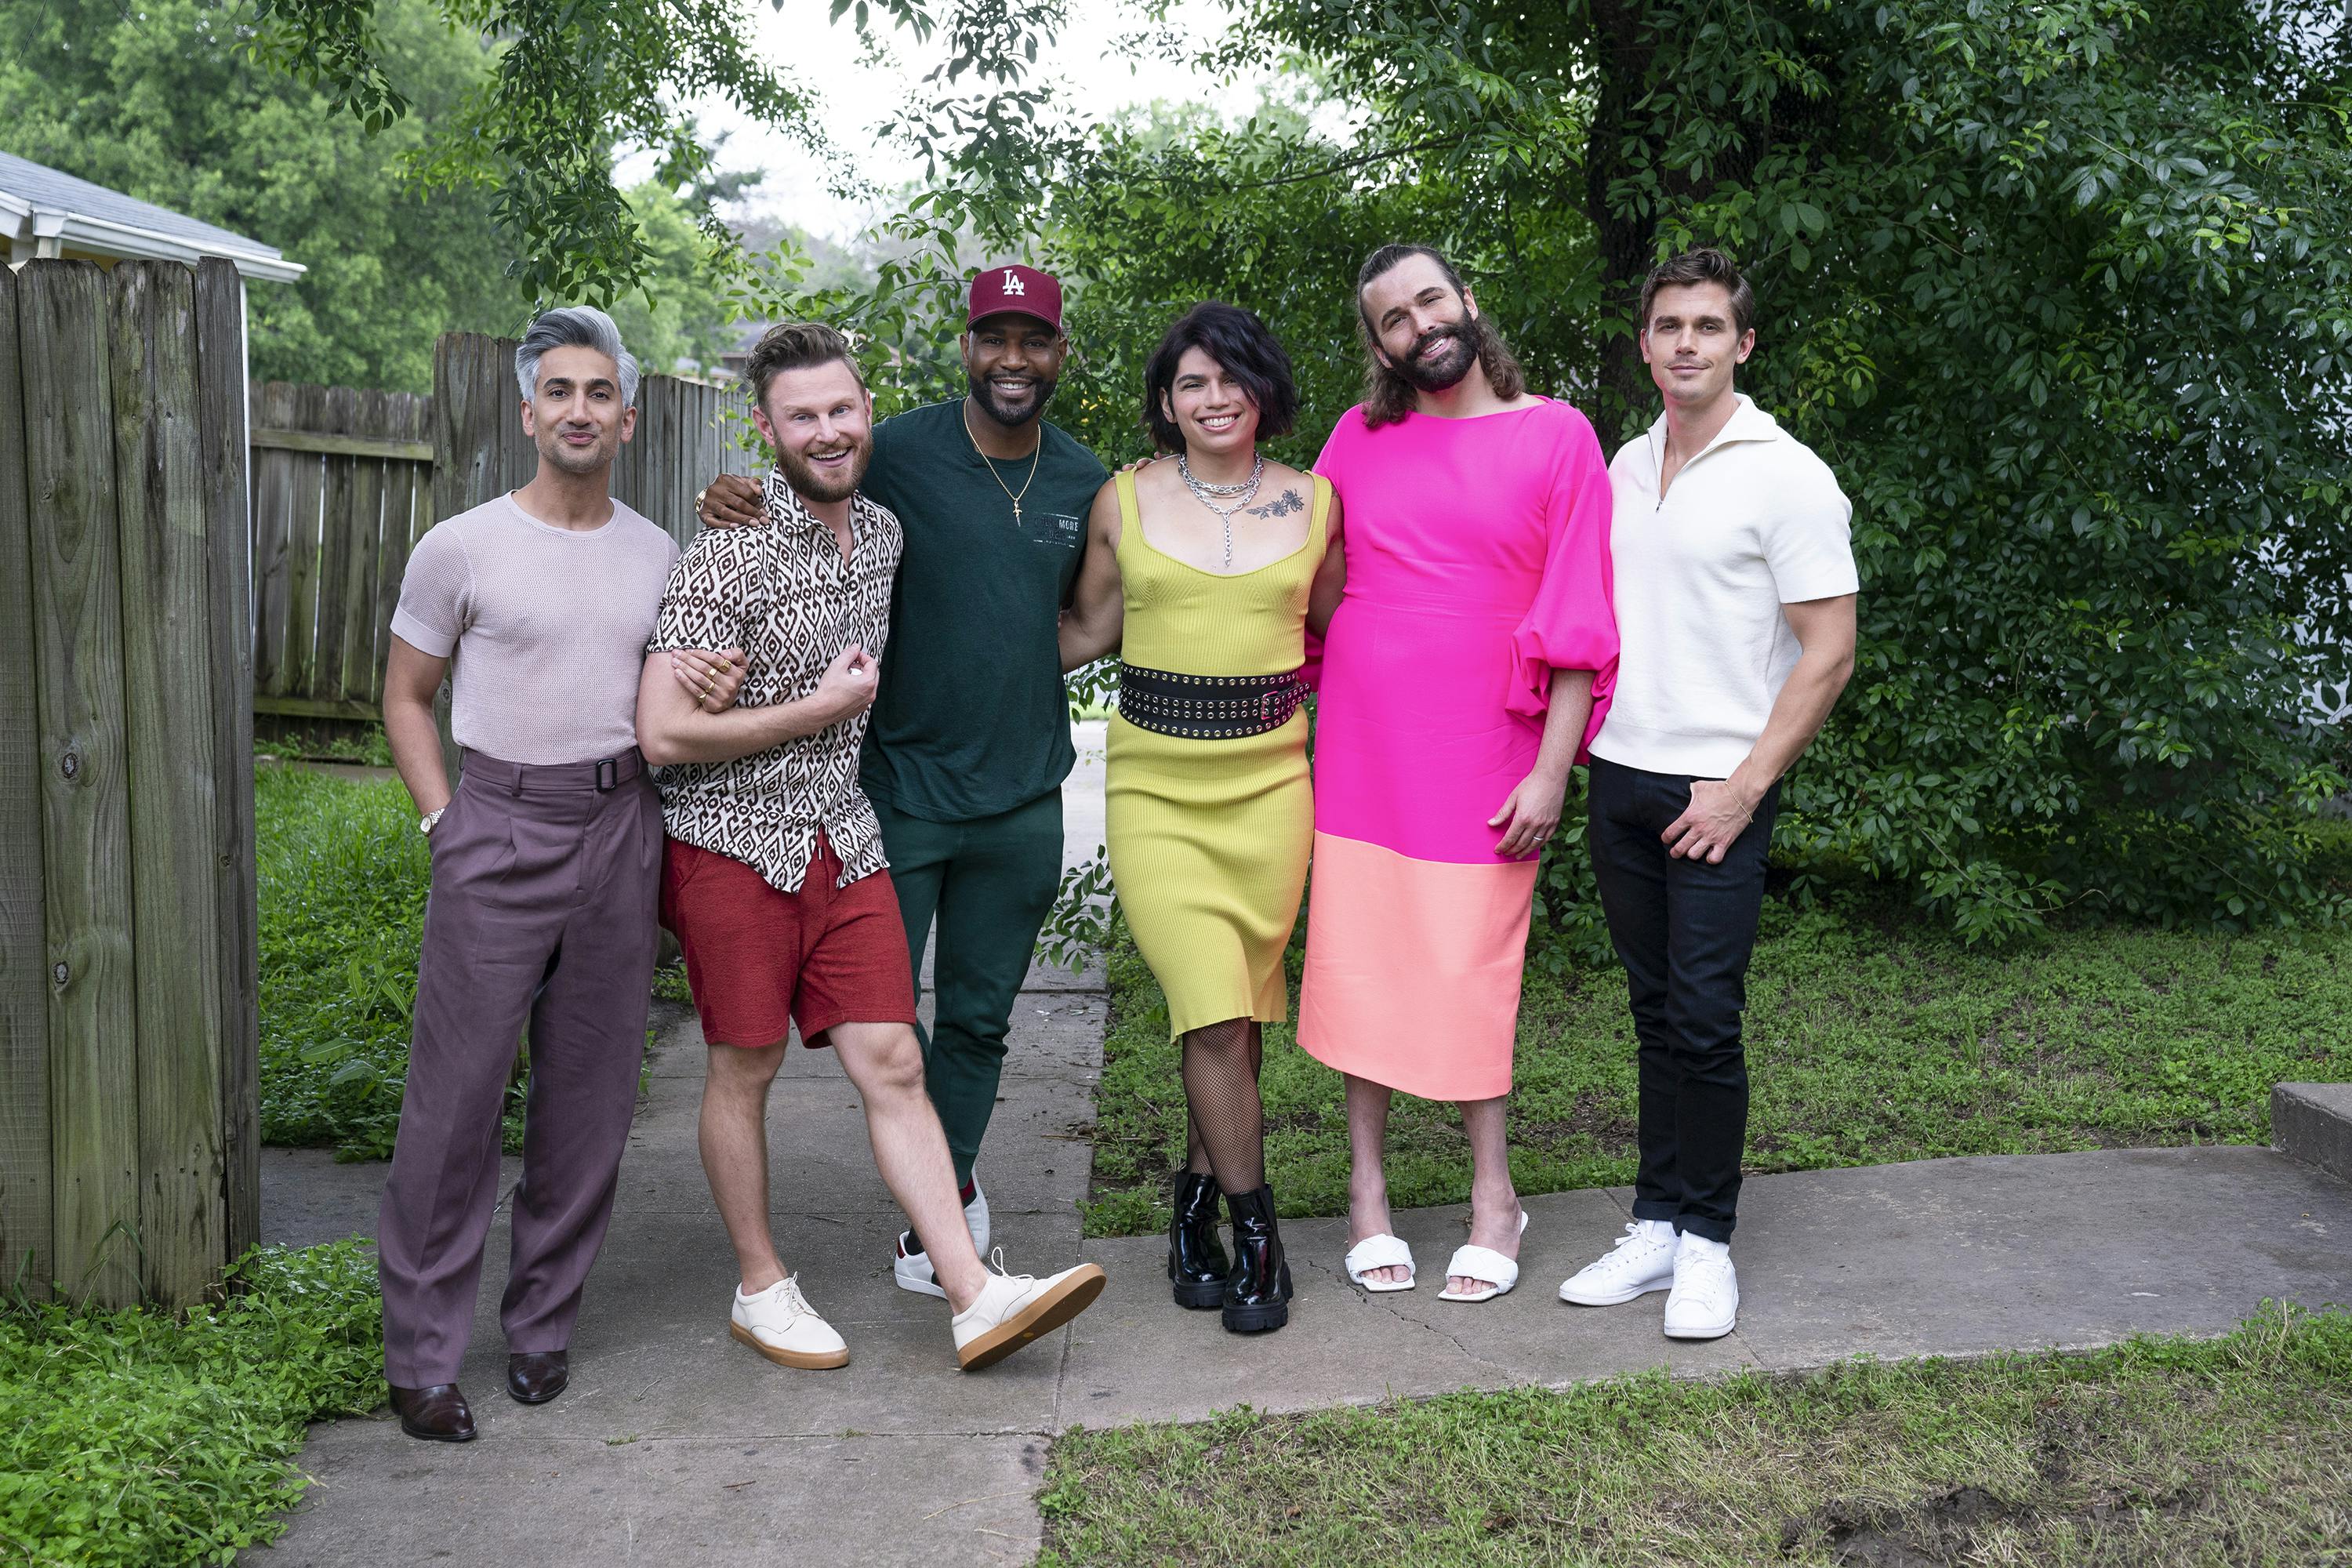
(1735, 590)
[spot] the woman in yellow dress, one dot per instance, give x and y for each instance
(1206, 572)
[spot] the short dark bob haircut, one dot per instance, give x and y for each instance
(1250, 353)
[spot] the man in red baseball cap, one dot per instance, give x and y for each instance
(968, 739)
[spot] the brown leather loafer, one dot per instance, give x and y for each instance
(438, 1414)
(534, 1377)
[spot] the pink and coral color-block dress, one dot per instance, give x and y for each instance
(1477, 556)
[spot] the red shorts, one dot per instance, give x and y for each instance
(760, 961)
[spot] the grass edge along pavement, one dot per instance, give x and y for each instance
(2158, 1451)
(1873, 1036)
(146, 1438)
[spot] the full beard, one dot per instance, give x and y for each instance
(809, 485)
(1441, 358)
(995, 408)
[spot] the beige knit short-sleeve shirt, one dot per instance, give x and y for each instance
(547, 626)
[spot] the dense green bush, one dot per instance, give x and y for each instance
(141, 1439)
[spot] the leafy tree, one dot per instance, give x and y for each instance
(165, 105)
(624, 68)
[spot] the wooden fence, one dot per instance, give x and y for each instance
(345, 481)
(128, 1160)
(342, 483)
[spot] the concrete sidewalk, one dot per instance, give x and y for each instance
(675, 1444)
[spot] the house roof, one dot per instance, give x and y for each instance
(40, 203)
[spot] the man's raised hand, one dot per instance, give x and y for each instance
(729, 502)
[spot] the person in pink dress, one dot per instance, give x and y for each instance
(1468, 664)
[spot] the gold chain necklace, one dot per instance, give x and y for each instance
(1010, 494)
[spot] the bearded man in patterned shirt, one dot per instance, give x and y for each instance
(775, 881)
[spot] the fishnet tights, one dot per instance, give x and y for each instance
(1226, 1124)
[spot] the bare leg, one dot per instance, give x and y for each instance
(1368, 1182)
(884, 1063)
(1494, 1201)
(734, 1137)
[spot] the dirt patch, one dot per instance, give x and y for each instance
(1934, 1533)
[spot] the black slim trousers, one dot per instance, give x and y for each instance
(1684, 930)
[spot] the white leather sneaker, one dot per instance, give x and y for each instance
(1641, 1261)
(1013, 1309)
(1705, 1301)
(911, 1270)
(780, 1324)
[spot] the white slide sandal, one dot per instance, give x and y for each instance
(1381, 1251)
(1485, 1263)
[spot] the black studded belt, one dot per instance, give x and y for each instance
(1208, 707)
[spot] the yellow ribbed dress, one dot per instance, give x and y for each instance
(1209, 839)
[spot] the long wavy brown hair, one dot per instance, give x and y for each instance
(1388, 394)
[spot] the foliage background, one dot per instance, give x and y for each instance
(2055, 288)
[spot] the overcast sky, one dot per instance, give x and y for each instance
(1096, 75)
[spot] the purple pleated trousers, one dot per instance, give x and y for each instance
(542, 913)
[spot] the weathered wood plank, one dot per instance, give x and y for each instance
(363, 556)
(347, 446)
(301, 657)
(222, 403)
(24, 968)
(78, 613)
(407, 489)
(478, 447)
(273, 528)
(313, 707)
(167, 659)
(341, 528)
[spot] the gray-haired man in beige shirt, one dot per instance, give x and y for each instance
(546, 861)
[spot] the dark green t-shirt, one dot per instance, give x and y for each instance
(973, 719)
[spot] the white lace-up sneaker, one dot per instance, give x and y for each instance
(911, 1269)
(1641, 1261)
(780, 1324)
(1013, 1309)
(1705, 1301)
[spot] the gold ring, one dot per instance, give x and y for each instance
(699, 495)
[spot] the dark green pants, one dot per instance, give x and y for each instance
(987, 885)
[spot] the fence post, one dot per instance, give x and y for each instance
(222, 403)
(24, 969)
(85, 816)
(167, 669)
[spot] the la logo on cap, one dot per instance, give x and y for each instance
(1020, 289)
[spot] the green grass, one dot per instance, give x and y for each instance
(2156, 1453)
(342, 879)
(141, 1439)
(1871, 1038)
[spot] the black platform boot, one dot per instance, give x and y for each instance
(1196, 1259)
(1257, 1292)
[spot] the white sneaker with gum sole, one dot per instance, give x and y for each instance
(780, 1324)
(1013, 1309)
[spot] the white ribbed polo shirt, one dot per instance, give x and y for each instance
(1753, 523)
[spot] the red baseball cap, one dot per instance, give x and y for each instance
(1023, 290)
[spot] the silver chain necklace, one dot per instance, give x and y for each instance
(1208, 494)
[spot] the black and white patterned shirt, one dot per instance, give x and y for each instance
(779, 590)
